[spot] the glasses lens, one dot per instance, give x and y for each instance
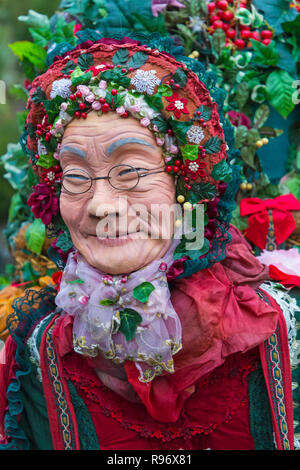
(76, 181)
(123, 177)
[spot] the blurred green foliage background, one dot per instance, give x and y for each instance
(11, 72)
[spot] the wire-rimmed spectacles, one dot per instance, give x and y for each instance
(122, 177)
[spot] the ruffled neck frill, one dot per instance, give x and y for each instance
(220, 314)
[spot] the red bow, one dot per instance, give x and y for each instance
(258, 222)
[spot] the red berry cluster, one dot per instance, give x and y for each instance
(222, 16)
(182, 169)
(45, 127)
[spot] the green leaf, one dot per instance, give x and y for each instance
(143, 291)
(76, 281)
(189, 152)
(261, 116)
(206, 113)
(204, 190)
(218, 42)
(137, 60)
(116, 76)
(182, 249)
(265, 55)
(222, 171)
(165, 90)
(19, 92)
(35, 236)
(241, 134)
(53, 107)
(213, 145)
(161, 124)
(70, 65)
(180, 77)
(180, 129)
(154, 101)
(276, 13)
(107, 302)
(85, 61)
(130, 319)
(79, 77)
(279, 86)
(248, 156)
(120, 57)
(253, 136)
(35, 54)
(242, 94)
(64, 242)
(15, 208)
(267, 131)
(46, 161)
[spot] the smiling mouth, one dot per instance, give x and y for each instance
(116, 239)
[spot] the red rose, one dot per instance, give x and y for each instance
(43, 202)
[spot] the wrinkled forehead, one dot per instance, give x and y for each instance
(109, 133)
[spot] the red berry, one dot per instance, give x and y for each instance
(78, 94)
(230, 33)
(170, 132)
(114, 92)
(211, 7)
(266, 42)
(225, 26)
(77, 114)
(105, 108)
(227, 15)
(246, 34)
(218, 24)
(72, 97)
(255, 35)
(240, 44)
(123, 70)
(178, 163)
(83, 115)
(266, 34)
(81, 106)
(169, 168)
(102, 100)
(243, 26)
(186, 179)
(39, 133)
(223, 5)
(125, 114)
(214, 18)
(177, 86)
(176, 169)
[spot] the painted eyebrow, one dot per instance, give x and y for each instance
(130, 140)
(70, 148)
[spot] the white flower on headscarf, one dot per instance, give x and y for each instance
(61, 87)
(41, 148)
(195, 134)
(145, 81)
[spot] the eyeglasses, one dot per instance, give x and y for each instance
(121, 177)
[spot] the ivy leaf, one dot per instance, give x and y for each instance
(206, 113)
(222, 171)
(279, 86)
(143, 291)
(261, 116)
(180, 77)
(120, 57)
(64, 242)
(204, 190)
(35, 236)
(130, 319)
(189, 152)
(213, 145)
(137, 60)
(107, 302)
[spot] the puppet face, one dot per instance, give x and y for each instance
(116, 229)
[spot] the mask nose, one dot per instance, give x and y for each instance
(106, 201)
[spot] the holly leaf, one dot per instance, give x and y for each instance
(280, 90)
(213, 145)
(206, 113)
(129, 321)
(143, 291)
(180, 129)
(204, 190)
(218, 42)
(85, 61)
(154, 101)
(137, 60)
(120, 57)
(161, 124)
(35, 236)
(222, 171)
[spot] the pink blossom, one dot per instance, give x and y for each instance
(64, 106)
(145, 122)
(58, 124)
(160, 141)
(84, 90)
(102, 85)
(155, 128)
(120, 110)
(96, 105)
(135, 108)
(90, 97)
(173, 149)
